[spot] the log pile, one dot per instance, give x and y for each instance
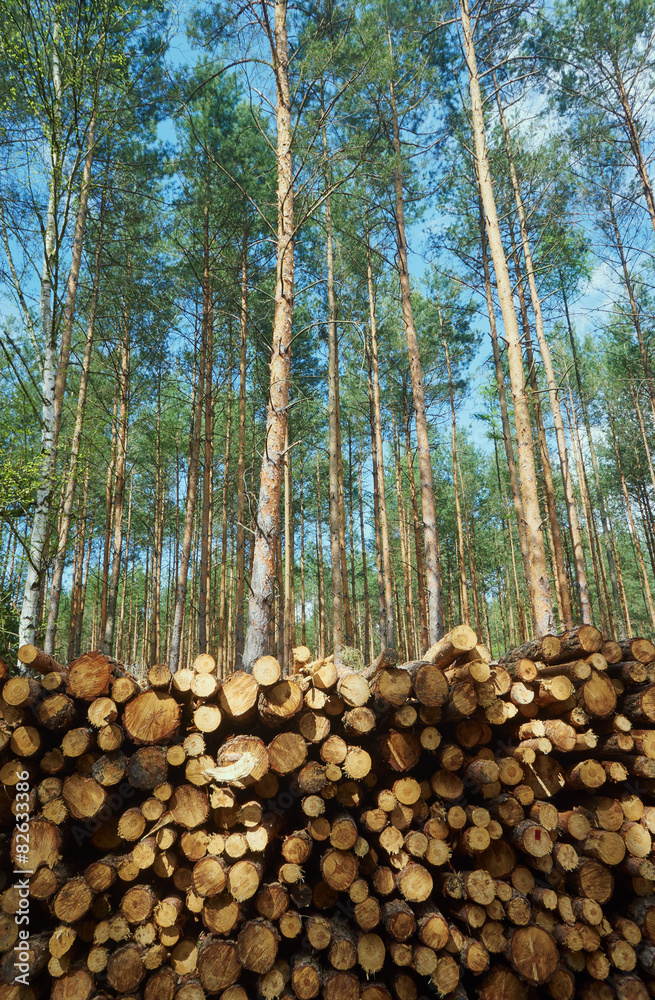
(451, 826)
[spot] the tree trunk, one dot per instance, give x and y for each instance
(30, 611)
(322, 615)
(368, 623)
(502, 399)
(128, 535)
(594, 548)
(183, 561)
(408, 617)
(268, 510)
(204, 576)
(388, 638)
(463, 590)
(632, 133)
(538, 573)
(74, 275)
(157, 544)
(418, 544)
(222, 592)
(109, 515)
(576, 539)
(594, 461)
(552, 524)
(303, 607)
(642, 428)
(119, 485)
(333, 431)
(634, 309)
(376, 504)
(69, 494)
(432, 567)
(289, 597)
(241, 460)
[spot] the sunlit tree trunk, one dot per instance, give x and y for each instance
(204, 575)
(388, 638)
(119, 482)
(642, 428)
(303, 603)
(502, 399)
(594, 461)
(424, 640)
(221, 645)
(268, 509)
(432, 567)
(376, 505)
(634, 309)
(30, 611)
(69, 493)
(241, 460)
(368, 623)
(537, 570)
(408, 617)
(463, 588)
(183, 560)
(553, 389)
(338, 636)
(289, 623)
(322, 611)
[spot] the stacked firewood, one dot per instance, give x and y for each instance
(451, 826)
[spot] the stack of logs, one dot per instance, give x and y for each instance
(452, 826)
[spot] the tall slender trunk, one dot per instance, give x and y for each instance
(222, 593)
(642, 428)
(109, 514)
(510, 541)
(502, 399)
(537, 571)
(78, 574)
(204, 576)
(338, 637)
(552, 524)
(634, 309)
(157, 544)
(322, 616)
(592, 537)
(418, 541)
(389, 637)
(469, 538)
(268, 510)
(128, 538)
(376, 505)
(351, 530)
(463, 590)
(184, 558)
(289, 623)
(576, 539)
(403, 536)
(241, 460)
(74, 275)
(119, 483)
(632, 132)
(30, 610)
(432, 567)
(368, 624)
(79, 626)
(303, 605)
(594, 461)
(69, 493)
(345, 590)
